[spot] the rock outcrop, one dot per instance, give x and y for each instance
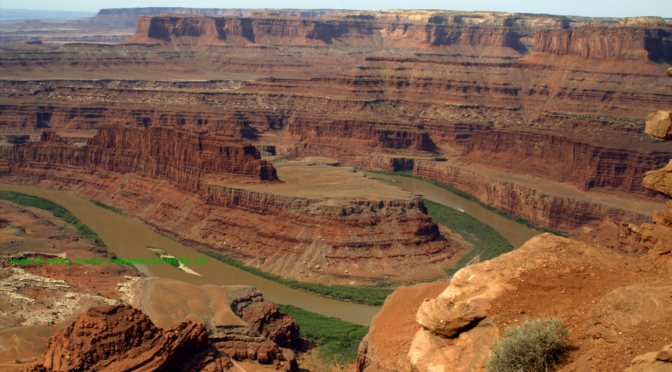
(659, 125)
(655, 361)
(121, 338)
(391, 330)
(461, 324)
(238, 321)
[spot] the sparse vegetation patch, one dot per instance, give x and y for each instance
(373, 295)
(337, 340)
(534, 346)
(487, 242)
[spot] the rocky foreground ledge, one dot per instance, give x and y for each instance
(176, 326)
(612, 289)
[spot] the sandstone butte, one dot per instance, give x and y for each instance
(214, 192)
(615, 300)
(538, 116)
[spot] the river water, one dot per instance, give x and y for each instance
(514, 232)
(128, 238)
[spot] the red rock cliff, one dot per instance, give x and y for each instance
(607, 43)
(561, 159)
(559, 213)
(185, 158)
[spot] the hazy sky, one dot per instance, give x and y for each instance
(594, 8)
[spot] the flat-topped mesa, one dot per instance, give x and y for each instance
(512, 35)
(620, 43)
(185, 158)
(364, 31)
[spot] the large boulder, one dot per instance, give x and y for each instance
(659, 125)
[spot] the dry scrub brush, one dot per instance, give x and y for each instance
(535, 346)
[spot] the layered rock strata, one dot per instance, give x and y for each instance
(555, 212)
(564, 160)
(189, 194)
(121, 338)
(185, 158)
(578, 85)
(238, 321)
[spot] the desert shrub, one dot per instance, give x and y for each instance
(534, 346)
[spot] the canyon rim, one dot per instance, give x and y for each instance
(288, 147)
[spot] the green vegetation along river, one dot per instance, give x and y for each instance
(517, 234)
(128, 238)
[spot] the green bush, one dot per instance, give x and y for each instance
(337, 340)
(535, 346)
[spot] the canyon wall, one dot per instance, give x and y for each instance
(561, 159)
(505, 38)
(185, 158)
(342, 32)
(184, 194)
(621, 43)
(558, 213)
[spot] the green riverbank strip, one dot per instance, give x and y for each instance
(487, 242)
(462, 194)
(337, 340)
(373, 295)
(57, 211)
(109, 207)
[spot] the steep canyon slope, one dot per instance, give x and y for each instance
(215, 192)
(615, 302)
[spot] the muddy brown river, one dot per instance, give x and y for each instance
(514, 232)
(128, 238)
